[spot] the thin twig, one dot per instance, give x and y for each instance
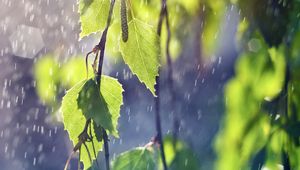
(89, 154)
(106, 148)
(157, 92)
(68, 161)
(94, 150)
(95, 62)
(161, 17)
(87, 63)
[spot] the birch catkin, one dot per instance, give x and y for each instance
(124, 24)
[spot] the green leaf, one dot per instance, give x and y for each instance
(104, 107)
(184, 159)
(141, 52)
(74, 119)
(259, 77)
(74, 122)
(93, 15)
(179, 157)
(135, 159)
(111, 91)
(93, 105)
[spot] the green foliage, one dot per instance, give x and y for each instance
(104, 107)
(179, 156)
(140, 49)
(93, 105)
(135, 159)
(294, 154)
(214, 15)
(93, 15)
(74, 122)
(136, 50)
(111, 91)
(292, 125)
(268, 17)
(258, 68)
(83, 101)
(262, 100)
(247, 127)
(274, 150)
(113, 39)
(46, 74)
(140, 53)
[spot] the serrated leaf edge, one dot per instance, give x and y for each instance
(159, 56)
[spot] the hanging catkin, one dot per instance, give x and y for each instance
(124, 24)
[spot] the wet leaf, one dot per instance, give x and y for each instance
(142, 54)
(104, 107)
(74, 118)
(135, 159)
(74, 122)
(93, 15)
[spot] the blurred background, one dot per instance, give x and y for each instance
(229, 63)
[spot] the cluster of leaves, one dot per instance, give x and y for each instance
(100, 103)
(262, 100)
(74, 106)
(181, 14)
(261, 125)
(84, 101)
(140, 49)
(141, 55)
(177, 158)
